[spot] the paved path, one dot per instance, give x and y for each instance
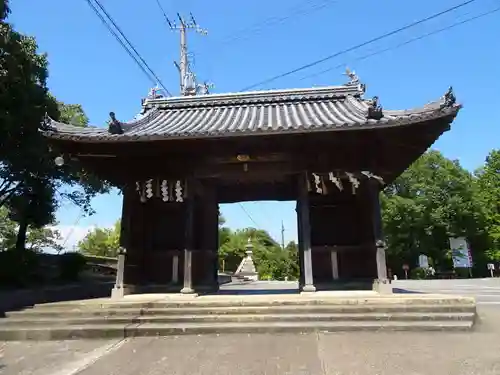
(486, 291)
(277, 354)
(359, 353)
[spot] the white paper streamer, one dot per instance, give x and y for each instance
(353, 180)
(336, 181)
(178, 192)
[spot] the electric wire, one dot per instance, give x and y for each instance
(110, 29)
(163, 11)
(412, 40)
(131, 46)
(139, 60)
(249, 216)
(244, 33)
(72, 229)
(363, 44)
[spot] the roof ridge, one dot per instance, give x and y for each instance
(290, 111)
(258, 96)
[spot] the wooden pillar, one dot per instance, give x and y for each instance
(210, 237)
(335, 264)
(125, 219)
(126, 234)
(300, 248)
(382, 284)
(175, 269)
(377, 233)
(305, 230)
(189, 241)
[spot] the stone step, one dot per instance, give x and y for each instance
(111, 310)
(237, 318)
(63, 332)
(79, 310)
(258, 302)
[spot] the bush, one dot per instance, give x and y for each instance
(418, 273)
(462, 273)
(19, 268)
(70, 266)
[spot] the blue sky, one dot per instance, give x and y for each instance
(251, 41)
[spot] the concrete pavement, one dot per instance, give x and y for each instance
(362, 353)
(485, 291)
(358, 353)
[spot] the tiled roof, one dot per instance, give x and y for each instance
(266, 112)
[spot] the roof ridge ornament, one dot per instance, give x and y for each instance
(375, 111)
(354, 80)
(115, 126)
(154, 93)
(46, 123)
(449, 99)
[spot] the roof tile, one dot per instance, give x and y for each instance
(268, 112)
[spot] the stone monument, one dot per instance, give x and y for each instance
(246, 270)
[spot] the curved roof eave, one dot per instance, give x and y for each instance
(253, 114)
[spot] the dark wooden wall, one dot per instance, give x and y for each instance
(156, 234)
(342, 220)
(205, 255)
(155, 231)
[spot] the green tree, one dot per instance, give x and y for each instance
(222, 220)
(41, 239)
(488, 181)
(29, 179)
(7, 230)
(72, 114)
(37, 239)
(271, 261)
(101, 242)
(434, 199)
(292, 250)
(24, 100)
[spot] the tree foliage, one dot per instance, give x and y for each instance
(101, 241)
(24, 100)
(72, 114)
(29, 179)
(272, 262)
(434, 199)
(488, 180)
(38, 239)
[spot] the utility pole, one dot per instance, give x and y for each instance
(188, 85)
(282, 235)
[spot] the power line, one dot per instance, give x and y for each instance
(470, 19)
(143, 66)
(295, 11)
(110, 29)
(342, 52)
(131, 46)
(163, 11)
(249, 216)
(72, 229)
(270, 21)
